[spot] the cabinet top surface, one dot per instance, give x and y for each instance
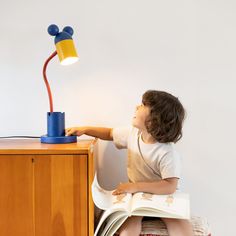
(34, 146)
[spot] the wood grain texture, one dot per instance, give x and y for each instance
(16, 199)
(42, 195)
(33, 146)
(47, 191)
(81, 189)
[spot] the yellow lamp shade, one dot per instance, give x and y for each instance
(66, 52)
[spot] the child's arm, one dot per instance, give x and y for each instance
(97, 132)
(164, 186)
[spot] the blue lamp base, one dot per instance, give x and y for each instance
(59, 139)
(56, 129)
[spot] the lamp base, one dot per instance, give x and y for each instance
(59, 139)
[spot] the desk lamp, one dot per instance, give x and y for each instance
(66, 52)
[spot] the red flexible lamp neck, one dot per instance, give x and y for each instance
(46, 80)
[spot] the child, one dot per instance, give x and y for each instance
(153, 163)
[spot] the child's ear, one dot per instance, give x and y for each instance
(68, 30)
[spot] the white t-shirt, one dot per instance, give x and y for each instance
(147, 162)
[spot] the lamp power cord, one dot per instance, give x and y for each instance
(19, 136)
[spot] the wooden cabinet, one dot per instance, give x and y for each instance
(45, 188)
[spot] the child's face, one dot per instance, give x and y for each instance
(141, 114)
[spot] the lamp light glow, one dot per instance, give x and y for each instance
(67, 54)
(69, 60)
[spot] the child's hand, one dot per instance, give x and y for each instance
(125, 188)
(75, 131)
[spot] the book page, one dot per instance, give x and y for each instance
(176, 205)
(113, 223)
(104, 199)
(109, 218)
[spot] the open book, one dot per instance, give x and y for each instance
(118, 208)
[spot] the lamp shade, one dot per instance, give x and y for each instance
(64, 44)
(66, 52)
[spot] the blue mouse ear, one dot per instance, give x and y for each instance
(68, 30)
(53, 30)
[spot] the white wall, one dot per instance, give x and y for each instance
(126, 47)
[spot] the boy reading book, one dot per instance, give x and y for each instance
(153, 163)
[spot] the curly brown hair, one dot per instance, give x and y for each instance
(166, 116)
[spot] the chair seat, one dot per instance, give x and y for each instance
(155, 227)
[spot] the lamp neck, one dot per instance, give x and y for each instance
(46, 80)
